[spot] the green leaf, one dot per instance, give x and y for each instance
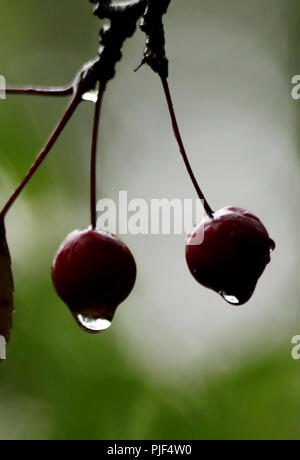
(6, 287)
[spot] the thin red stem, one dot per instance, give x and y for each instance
(93, 186)
(42, 155)
(179, 140)
(36, 91)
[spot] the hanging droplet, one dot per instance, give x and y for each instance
(272, 246)
(233, 300)
(238, 299)
(92, 324)
(91, 96)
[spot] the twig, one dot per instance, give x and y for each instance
(36, 91)
(179, 140)
(93, 185)
(152, 25)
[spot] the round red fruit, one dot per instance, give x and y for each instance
(228, 253)
(93, 272)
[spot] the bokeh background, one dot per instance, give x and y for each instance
(178, 363)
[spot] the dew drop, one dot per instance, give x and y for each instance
(233, 300)
(92, 324)
(91, 96)
(272, 246)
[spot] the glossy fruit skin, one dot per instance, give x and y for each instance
(93, 272)
(234, 252)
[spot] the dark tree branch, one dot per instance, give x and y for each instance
(123, 19)
(36, 91)
(152, 25)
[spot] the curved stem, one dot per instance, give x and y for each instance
(42, 155)
(179, 140)
(93, 185)
(36, 91)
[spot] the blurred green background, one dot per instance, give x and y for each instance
(177, 363)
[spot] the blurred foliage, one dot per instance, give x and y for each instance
(58, 382)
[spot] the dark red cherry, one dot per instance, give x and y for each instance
(228, 253)
(93, 272)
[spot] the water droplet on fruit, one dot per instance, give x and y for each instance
(91, 96)
(92, 324)
(272, 246)
(230, 298)
(241, 299)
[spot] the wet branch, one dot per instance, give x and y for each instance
(36, 91)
